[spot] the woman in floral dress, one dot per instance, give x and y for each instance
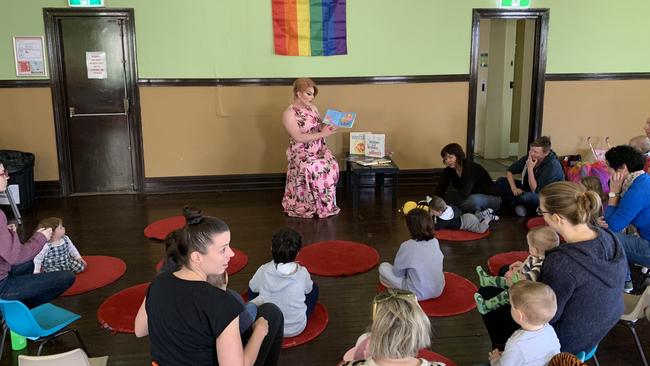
(312, 172)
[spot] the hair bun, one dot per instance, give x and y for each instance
(192, 215)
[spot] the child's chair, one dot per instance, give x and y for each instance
(635, 309)
(76, 357)
(586, 356)
(41, 324)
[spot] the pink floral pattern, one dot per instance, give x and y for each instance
(312, 172)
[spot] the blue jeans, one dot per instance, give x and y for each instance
(528, 199)
(479, 202)
(311, 299)
(636, 249)
(34, 289)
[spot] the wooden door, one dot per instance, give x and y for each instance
(98, 128)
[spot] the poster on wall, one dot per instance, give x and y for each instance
(30, 56)
(96, 65)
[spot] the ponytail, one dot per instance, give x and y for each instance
(572, 201)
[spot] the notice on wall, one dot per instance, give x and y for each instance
(29, 56)
(96, 65)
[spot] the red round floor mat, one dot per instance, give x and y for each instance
(457, 297)
(161, 228)
(435, 357)
(460, 235)
(497, 261)
(117, 313)
(535, 222)
(316, 324)
(237, 263)
(338, 258)
(100, 271)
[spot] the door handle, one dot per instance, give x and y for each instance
(71, 113)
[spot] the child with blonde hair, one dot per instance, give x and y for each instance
(451, 217)
(540, 240)
(59, 253)
(533, 305)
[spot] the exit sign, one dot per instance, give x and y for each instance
(86, 3)
(514, 4)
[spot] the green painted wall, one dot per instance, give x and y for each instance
(233, 38)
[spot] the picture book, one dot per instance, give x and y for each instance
(358, 143)
(339, 119)
(376, 145)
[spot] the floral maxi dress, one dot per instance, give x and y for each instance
(312, 172)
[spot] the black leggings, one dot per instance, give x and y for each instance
(498, 323)
(269, 353)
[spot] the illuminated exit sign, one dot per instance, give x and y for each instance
(514, 4)
(86, 3)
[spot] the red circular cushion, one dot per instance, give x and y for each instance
(497, 261)
(100, 271)
(117, 313)
(316, 324)
(535, 222)
(338, 258)
(456, 298)
(161, 228)
(435, 357)
(236, 264)
(460, 235)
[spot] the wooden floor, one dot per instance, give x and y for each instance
(113, 225)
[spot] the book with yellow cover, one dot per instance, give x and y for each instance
(358, 143)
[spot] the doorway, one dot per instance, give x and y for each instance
(95, 99)
(507, 67)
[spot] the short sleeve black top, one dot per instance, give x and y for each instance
(185, 318)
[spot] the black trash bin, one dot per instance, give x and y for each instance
(20, 166)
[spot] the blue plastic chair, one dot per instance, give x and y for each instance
(586, 356)
(40, 324)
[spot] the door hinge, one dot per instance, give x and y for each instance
(126, 105)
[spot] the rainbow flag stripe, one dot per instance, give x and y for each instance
(309, 27)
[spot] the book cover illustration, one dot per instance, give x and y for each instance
(376, 145)
(358, 143)
(339, 119)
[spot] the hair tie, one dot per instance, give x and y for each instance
(194, 220)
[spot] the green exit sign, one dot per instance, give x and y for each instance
(514, 4)
(86, 3)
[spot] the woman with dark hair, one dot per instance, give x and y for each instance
(191, 322)
(629, 201)
(17, 278)
(473, 188)
(590, 263)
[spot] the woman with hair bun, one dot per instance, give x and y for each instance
(191, 322)
(586, 272)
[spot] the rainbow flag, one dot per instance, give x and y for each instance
(309, 27)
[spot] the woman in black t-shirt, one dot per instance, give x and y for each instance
(473, 188)
(189, 321)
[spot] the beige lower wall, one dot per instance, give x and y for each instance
(574, 110)
(27, 124)
(237, 130)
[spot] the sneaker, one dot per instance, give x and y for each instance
(521, 211)
(629, 286)
(487, 214)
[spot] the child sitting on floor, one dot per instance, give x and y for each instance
(450, 217)
(285, 283)
(58, 254)
(540, 240)
(533, 305)
(418, 263)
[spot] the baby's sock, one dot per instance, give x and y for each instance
(485, 306)
(486, 280)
